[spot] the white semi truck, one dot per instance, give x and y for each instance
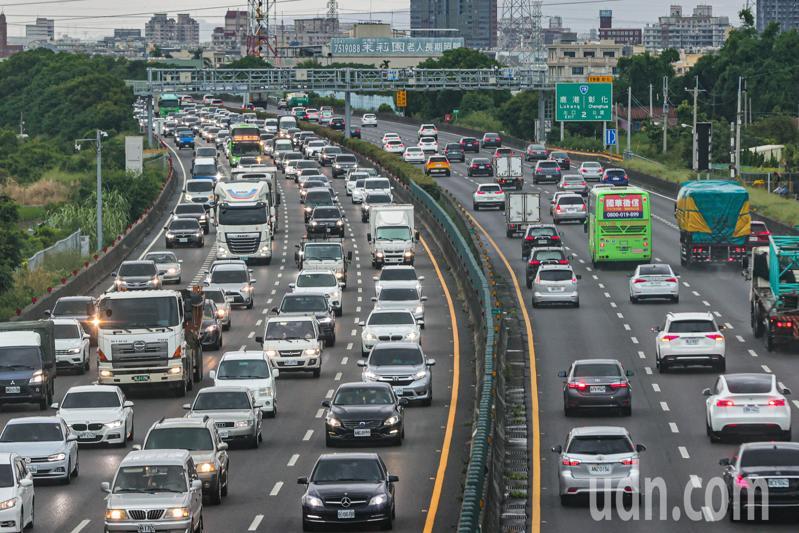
(245, 220)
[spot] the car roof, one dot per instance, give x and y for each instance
(547, 249)
(399, 267)
(349, 455)
(76, 298)
(599, 431)
(180, 422)
(555, 267)
(223, 388)
(768, 446)
(289, 319)
(151, 457)
(690, 316)
(35, 420)
(66, 321)
(365, 385)
(229, 266)
(204, 160)
(92, 388)
(245, 355)
(125, 295)
(567, 194)
(393, 344)
(748, 375)
(596, 361)
(142, 262)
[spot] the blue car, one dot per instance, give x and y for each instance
(616, 177)
(184, 138)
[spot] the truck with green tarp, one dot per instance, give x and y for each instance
(714, 222)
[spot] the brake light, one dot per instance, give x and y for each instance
(778, 402)
(621, 385)
(568, 461)
(725, 403)
(101, 356)
(781, 324)
(178, 352)
(529, 238)
(554, 238)
(579, 385)
(715, 337)
(582, 170)
(480, 192)
(557, 209)
(639, 280)
(629, 461)
(763, 233)
(669, 338)
(475, 166)
(534, 262)
(671, 280)
(563, 262)
(742, 482)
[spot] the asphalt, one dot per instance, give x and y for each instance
(264, 495)
(668, 409)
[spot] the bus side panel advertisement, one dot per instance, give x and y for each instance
(627, 206)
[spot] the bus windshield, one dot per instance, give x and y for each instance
(246, 148)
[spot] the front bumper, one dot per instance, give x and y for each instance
(229, 432)
(364, 514)
(208, 338)
(173, 526)
(27, 393)
(69, 361)
(264, 251)
(379, 434)
(297, 364)
(325, 229)
(10, 519)
(49, 470)
(393, 258)
(139, 376)
(103, 434)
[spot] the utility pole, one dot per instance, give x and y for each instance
(665, 116)
(98, 145)
(732, 149)
(21, 126)
(738, 131)
(630, 115)
(651, 114)
(695, 149)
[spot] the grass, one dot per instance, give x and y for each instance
(31, 213)
(481, 120)
(62, 176)
(41, 192)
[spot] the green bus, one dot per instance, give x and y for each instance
(619, 225)
(168, 103)
(244, 140)
(297, 100)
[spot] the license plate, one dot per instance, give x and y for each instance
(12, 390)
(597, 388)
(230, 299)
(291, 362)
(223, 433)
(754, 239)
(363, 432)
(145, 528)
(182, 239)
(599, 469)
(346, 513)
(244, 258)
(86, 435)
(778, 483)
(692, 342)
(141, 378)
(327, 230)
(399, 391)
(751, 409)
(557, 289)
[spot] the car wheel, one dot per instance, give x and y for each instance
(181, 389)
(721, 366)
(627, 411)
(330, 443)
(786, 435)
(68, 478)
(675, 299)
(712, 435)
(662, 368)
(564, 500)
(226, 327)
(132, 428)
(388, 525)
(250, 304)
(474, 206)
(255, 441)
(307, 526)
(225, 485)
(339, 311)
(633, 299)
(317, 372)
(529, 283)
(215, 498)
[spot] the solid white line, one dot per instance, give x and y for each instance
(673, 427)
(293, 460)
(664, 406)
(765, 369)
(82, 525)
(308, 435)
(255, 522)
(160, 231)
(276, 489)
(684, 452)
(656, 387)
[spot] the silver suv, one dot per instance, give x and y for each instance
(555, 284)
(155, 490)
(233, 277)
(137, 275)
(404, 366)
(233, 410)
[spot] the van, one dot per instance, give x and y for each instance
(27, 362)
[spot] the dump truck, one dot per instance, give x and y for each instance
(714, 222)
(773, 273)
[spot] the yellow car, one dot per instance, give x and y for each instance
(437, 164)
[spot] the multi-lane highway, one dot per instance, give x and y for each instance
(263, 493)
(668, 409)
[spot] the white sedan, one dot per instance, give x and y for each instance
(394, 146)
(369, 119)
(388, 325)
(689, 339)
(16, 494)
(654, 281)
(747, 404)
(413, 154)
(428, 144)
(97, 414)
(388, 136)
(488, 195)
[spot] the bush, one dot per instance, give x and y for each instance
(385, 108)
(480, 120)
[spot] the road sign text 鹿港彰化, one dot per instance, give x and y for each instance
(584, 102)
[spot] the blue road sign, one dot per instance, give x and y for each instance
(610, 137)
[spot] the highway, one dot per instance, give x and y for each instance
(264, 495)
(668, 409)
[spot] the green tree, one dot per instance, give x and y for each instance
(10, 242)
(519, 113)
(249, 62)
(476, 101)
(746, 17)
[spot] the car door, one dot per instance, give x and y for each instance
(221, 455)
(72, 445)
(196, 496)
(84, 342)
(24, 493)
(127, 413)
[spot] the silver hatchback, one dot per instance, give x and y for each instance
(598, 459)
(555, 284)
(404, 366)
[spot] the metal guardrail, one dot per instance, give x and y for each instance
(71, 243)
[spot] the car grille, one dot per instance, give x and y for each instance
(367, 424)
(354, 500)
(63, 352)
(397, 380)
(134, 354)
(290, 353)
(244, 243)
(38, 460)
(199, 200)
(224, 424)
(390, 337)
(142, 514)
(183, 235)
(90, 427)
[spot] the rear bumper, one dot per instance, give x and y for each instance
(556, 297)
(691, 359)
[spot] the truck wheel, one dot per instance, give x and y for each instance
(757, 323)
(197, 375)
(181, 389)
(770, 342)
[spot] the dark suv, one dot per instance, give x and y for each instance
(315, 305)
(469, 144)
(539, 235)
(492, 139)
(454, 152)
(548, 255)
(547, 170)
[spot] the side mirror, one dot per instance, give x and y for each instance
(113, 274)
(423, 298)
(212, 374)
(368, 237)
(186, 406)
(48, 313)
(562, 374)
(431, 362)
(374, 298)
(706, 392)
(136, 447)
(416, 235)
(297, 246)
(127, 403)
(725, 461)
(292, 285)
(86, 336)
(325, 403)
(585, 226)
(375, 278)
(223, 446)
(28, 482)
(557, 449)
(420, 278)
(640, 448)
(105, 486)
(259, 340)
(302, 480)
(393, 479)
(54, 405)
(196, 484)
(578, 277)
(786, 391)
(361, 363)
(362, 323)
(403, 401)
(656, 329)
(275, 373)
(72, 437)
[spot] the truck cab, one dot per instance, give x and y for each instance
(324, 256)
(392, 236)
(245, 220)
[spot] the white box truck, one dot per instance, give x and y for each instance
(521, 210)
(244, 221)
(392, 235)
(508, 172)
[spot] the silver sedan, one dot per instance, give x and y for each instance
(591, 171)
(656, 280)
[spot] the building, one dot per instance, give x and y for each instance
(165, 31)
(187, 30)
(474, 20)
(6, 49)
(127, 34)
(556, 33)
(783, 12)
(700, 31)
(43, 30)
(574, 62)
(232, 37)
(309, 33)
(607, 32)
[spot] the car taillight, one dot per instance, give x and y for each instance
(778, 402)
(563, 262)
(557, 209)
(583, 170)
(781, 324)
(670, 280)
(554, 238)
(529, 238)
(101, 356)
(629, 462)
(715, 337)
(621, 385)
(763, 233)
(725, 403)
(639, 280)
(579, 385)
(534, 262)
(669, 338)
(568, 461)
(480, 192)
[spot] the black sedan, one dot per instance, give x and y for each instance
(538, 235)
(469, 144)
(325, 222)
(454, 152)
(337, 123)
(480, 166)
(211, 333)
(184, 231)
(364, 412)
(348, 489)
(596, 384)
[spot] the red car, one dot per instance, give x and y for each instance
(469, 144)
(759, 234)
(492, 139)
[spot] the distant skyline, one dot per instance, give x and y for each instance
(96, 18)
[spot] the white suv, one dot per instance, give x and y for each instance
(316, 281)
(253, 370)
(387, 326)
(690, 339)
(292, 344)
(428, 130)
(369, 119)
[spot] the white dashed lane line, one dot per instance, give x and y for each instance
(276, 489)
(752, 353)
(664, 406)
(255, 522)
(673, 427)
(683, 452)
(293, 460)
(308, 435)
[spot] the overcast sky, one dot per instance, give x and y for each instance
(95, 18)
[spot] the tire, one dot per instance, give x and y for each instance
(329, 442)
(250, 304)
(215, 498)
(132, 429)
(675, 299)
(564, 500)
(474, 207)
(627, 411)
(388, 525)
(331, 341)
(770, 342)
(567, 411)
(722, 366)
(758, 329)
(633, 299)
(317, 372)
(255, 441)
(529, 283)
(577, 303)
(197, 375)
(68, 479)
(712, 435)
(181, 389)
(307, 526)
(225, 485)
(786, 435)
(662, 368)
(339, 311)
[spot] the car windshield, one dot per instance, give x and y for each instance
(773, 456)
(398, 274)
(204, 170)
(396, 356)
(363, 396)
(480, 161)
(402, 233)
(236, 215)
(160, 258)
(749, 385)
(66, 331)
(541, 232)
(318, 198)
(378, 199)
(150, 478)
(213, 401)
(596, 370)
(398, 295)
(229, 276)
(547, 164)
(654, 270)
(73, 308)
(548, 255)
(191, 439)
(184, 225)
(303, 303)
(340, 469)
(372, 184)
(570, 200)
(32, 432)
(591, 164)
(90, 400)
(317, 279)
(438, 159)
(289, 330)
(130, 313)
(555, 275)
(538, 147)
(692, 326)
(200, 186)
(346, 159)
(331, 150)
(206, 151)
(243, 369)
(391, 319)
(414, 150)
(246, 149)
(572, 179)
(215, 295)
(600, 445)
(323, 252)
(491, 188)
(137, 269)
(327, 212)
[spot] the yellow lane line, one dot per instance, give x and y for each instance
(535, 453)
(435, 497)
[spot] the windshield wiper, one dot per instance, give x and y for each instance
(160, 489)
(17, 366)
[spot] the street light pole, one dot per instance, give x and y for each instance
(98, 144)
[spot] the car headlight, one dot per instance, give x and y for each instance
(265, 391)
(170, 235)
(307, 209)
(113, 515)
(56, 457)
(378, 254)
(271, 353)
(313, 501)
(211, 328)
(339, 275)
(246, 288)
(420, 374)
(8, 504)
(172, 271)
(419, 309)
(243, 423)
(371, 337)
(333, 422)
(177, 513)
(408, 253)
(339, 222)
(206, 467)
(74, 350)
(37, 377)
(324, 320)
(412, 336)
(335, 295)
(390, 421)
(368, 374)
(314, 223)
(380, 499)
(114, 424)
(311, 351)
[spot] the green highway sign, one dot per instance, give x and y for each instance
(584, 102)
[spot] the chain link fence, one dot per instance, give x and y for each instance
(76, 243)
